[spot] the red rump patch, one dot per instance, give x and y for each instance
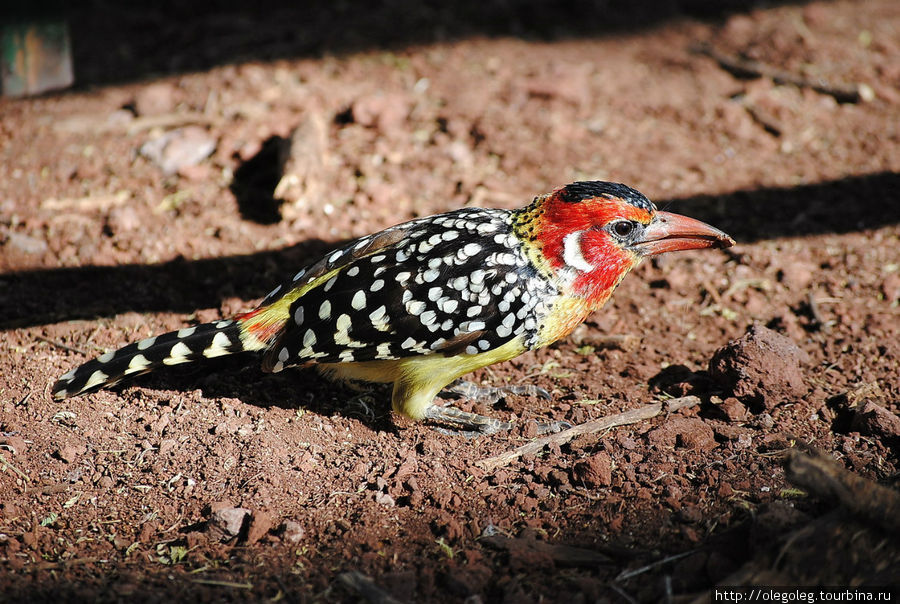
(261, 325)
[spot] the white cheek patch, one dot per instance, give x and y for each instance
(572, 254)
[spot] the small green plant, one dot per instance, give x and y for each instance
(445, 547)
(50, 519)
(171, 554)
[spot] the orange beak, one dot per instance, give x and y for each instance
(669, 232)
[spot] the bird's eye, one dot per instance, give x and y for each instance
(623, 228)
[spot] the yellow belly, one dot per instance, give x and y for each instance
(417, 380)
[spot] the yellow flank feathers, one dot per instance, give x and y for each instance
(418, 380)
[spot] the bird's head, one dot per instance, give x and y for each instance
(592, 233)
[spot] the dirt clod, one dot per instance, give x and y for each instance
(69, 452)
(595, 471)
(683, 432)
(261, 522)
(762, 368)
(733, 409)
(874, 420)
(179, 149)
(155, 99)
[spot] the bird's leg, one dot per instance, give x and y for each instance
(471, 424)
(492, 394)
(412, 400)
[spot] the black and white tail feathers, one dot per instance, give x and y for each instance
(183, 346)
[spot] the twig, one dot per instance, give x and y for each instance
(742, 67)
(627, 574)
(766, 120)
(6, 464)
(713, 292)
(365, 587)
(624, 594)
(597, 425)
(815, 312)
(87, 203)
(59, 345)
(223, 583)
(822, 476)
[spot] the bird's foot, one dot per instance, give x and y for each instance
(552, 427)
(492, 394)
(470, 424)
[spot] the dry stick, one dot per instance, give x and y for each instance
(763, 118)
(4, 464)
(47, 340)
(747, 67)
(217, 583)
(822, 476)
(597, 425)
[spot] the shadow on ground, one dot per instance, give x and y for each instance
(851, 204)
(115, 41)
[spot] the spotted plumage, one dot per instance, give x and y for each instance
(457, 283)
(424, 302)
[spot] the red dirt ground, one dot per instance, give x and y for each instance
(127, 494)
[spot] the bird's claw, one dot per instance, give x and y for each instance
(492, 394)
(479, 425)
(527, 390)
(552, 427)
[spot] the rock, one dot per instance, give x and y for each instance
(291, 531)
(384, 499)
(686, 432)
(26, 244)
(733, 409)
(155, 99)
(226, 523)
(874, 420)
(260, 523)
(180, 148)
(595, 471)
(761, 368)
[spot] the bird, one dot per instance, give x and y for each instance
(420, 304)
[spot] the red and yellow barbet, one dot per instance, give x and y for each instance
(425, 302)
